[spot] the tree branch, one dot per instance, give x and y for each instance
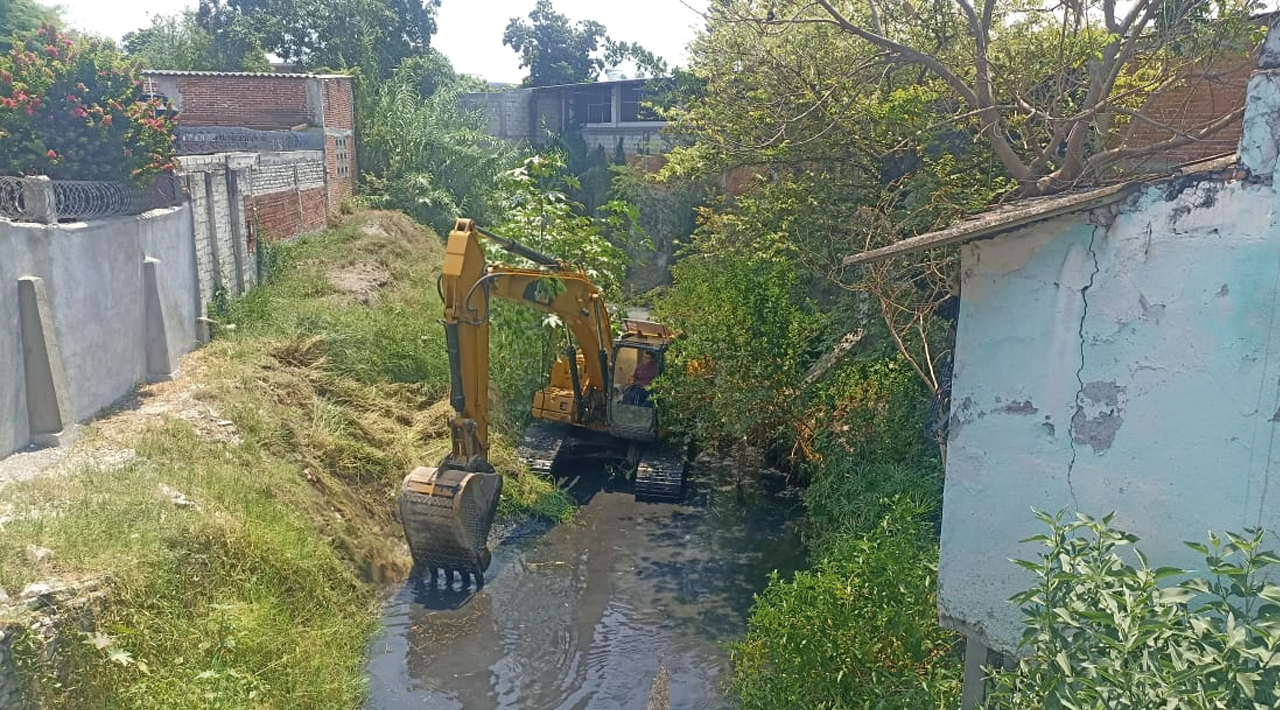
(991, 117)
(1109, 157)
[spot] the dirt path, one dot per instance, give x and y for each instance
(106, 441)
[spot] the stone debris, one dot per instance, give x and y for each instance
(38, 555)
(177, 497)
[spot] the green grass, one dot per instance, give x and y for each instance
(263, 594)
(239, 603)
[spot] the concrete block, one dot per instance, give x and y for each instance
(159, 365)
(39, 202)
(49, 412)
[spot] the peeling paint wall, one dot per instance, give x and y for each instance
(1126, 359)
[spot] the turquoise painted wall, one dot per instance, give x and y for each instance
(1125, 359)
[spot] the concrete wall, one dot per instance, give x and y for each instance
(525, 115)
(1127, 360)
(108, 318)
(636, 139)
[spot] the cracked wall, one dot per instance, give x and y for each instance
(1123, 360)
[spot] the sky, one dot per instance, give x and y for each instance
(470, 31)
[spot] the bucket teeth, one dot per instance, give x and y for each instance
(446, 514)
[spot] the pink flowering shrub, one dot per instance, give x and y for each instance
(75, 109)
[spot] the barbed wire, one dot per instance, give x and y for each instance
(87, 199)
(216, 139)
(11, 204)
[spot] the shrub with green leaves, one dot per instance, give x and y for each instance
(540, 213)
(1108, 632)
(859, 630)
(869, 444)
(74, 109)
(747, 334)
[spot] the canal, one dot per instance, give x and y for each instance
(583, 614)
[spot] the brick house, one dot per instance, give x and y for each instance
(308, 118)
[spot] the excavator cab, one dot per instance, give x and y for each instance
(632, 415)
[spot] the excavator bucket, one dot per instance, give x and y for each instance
(446, 515)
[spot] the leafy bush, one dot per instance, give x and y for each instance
(868, 444)
(859, 630)
(540, 213)
(423, 155)
(848, 496)
(1108, 636)
(75, 109)
(748, 330)
(876, 409)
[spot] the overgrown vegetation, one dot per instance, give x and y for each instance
(74, 109)
(422, 153)
(1109, 632)
(858, 630)
(237, 553)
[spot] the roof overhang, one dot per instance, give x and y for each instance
(1022, 213)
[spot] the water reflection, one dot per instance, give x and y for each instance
(583, 615)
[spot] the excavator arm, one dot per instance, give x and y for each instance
(447, 511)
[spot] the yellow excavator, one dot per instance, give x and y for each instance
(597, 391)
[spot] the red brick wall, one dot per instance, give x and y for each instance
(1188, 108)
(339, 103)
(339, 125)
(281, 215)
(263, 102)
(276, 102)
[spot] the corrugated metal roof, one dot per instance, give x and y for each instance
(1021, 213)
(263, 75)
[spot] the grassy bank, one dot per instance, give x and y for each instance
(239, 516)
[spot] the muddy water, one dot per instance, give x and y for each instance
(583, 615)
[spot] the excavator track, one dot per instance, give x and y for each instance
(540, 444)
(660, 474)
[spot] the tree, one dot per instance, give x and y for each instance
(553, 50)
(556, 51)
(73, 109)
(19, 18)
(842, 153)
(1056, 90)
(179, 42)
(372, 35)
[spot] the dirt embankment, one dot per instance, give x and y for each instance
(238, 517)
